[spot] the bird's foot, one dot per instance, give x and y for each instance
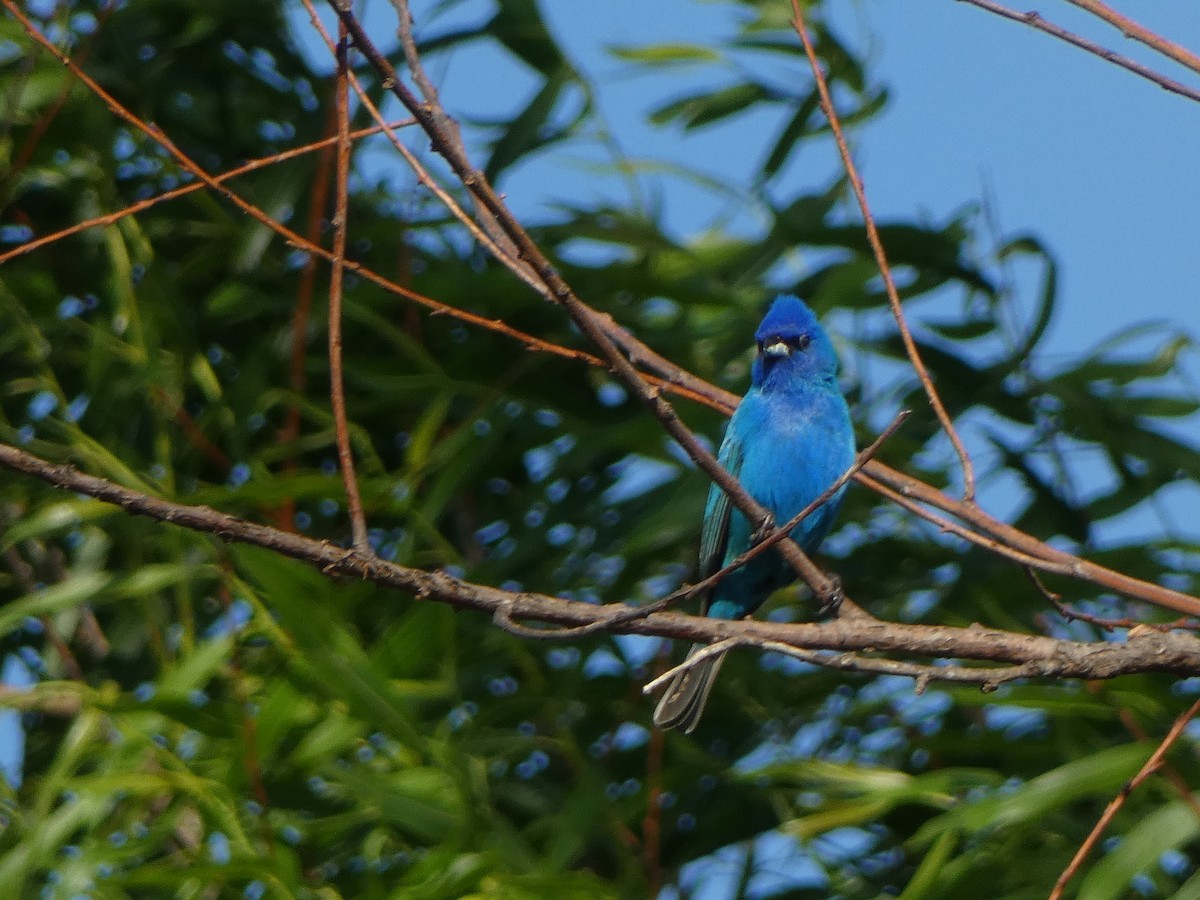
(765, 529)
(832, 597)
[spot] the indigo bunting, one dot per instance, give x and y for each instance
(788, 441)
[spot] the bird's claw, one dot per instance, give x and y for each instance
(765, 529)
(832, 598)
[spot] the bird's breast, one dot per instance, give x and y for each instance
(795, 447)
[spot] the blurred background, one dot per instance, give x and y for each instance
(197, 719)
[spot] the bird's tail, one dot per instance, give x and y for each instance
(683, 703)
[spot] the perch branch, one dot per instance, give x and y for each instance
(1143, 651)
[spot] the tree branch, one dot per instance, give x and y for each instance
(1150, 767)
(1143, 651)
(1141, 33)
(1035, 20)
(341, 223)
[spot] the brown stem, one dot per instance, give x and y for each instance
(285, 516)
(337, 386)
(1035, 20)
(1024, 655)
(1141, 33)
(1151, 765)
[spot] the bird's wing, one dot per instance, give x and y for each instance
(714, 533)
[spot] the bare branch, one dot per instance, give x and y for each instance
(1150, 767)
(1035, 20)
(337, 386)
(987, 677)
(1144, 650)
(1141, 33)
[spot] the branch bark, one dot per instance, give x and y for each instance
(1023, 655)
(1035, 20)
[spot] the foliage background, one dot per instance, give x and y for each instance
(212, 721)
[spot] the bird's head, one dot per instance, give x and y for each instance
(792, 347)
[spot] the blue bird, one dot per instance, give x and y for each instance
(788, 441)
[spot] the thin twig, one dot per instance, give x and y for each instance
(1069, 613)
(1169, 771)
(193, 433)
(1141, 33)
(988, 678)
(318, 201)
(1002, 538)
(1114, 806)
(856, 184)
(502, 249)
(1035, 20)
(412, 59)
(337, 385)
(961, 531)
(652, 818)
(453, 134)
(143, 205)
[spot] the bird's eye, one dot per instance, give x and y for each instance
(801, 342)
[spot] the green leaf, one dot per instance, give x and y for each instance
(66, 594)
(658, 54)
(302, 600)
(534, 129)
(704, 108)
(930, 870)
(1097, 775)
(1168, 827)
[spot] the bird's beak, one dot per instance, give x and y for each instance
(777, 349)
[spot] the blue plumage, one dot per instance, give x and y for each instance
(789, 439)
